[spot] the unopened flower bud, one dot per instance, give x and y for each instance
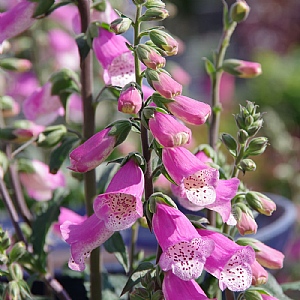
(17, 251)
(255, 127)
(51, 136)
(260, 203)
(120, 25)
(8, 106)
(241, 68)
(159, 50)
(13, 290)
(229, 141)
(249, 121)
(239, 11)
(150, 57)
(163, 83)
(15, 64)
(257, 146)
(242, 136)
(15, 271)
(164, 41)
(247, 164)
(245, 220)
(130, 100)
(154, 14)
(155, 3)
(252, 295)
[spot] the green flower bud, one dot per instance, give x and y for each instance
(8, 106)
(257, 146)
(242, 136)
(4, 240)
(13, 290)
(15, 271)
(239, 11)
(17, 252)
(247, 164)
(15, 64)
(249, 121)
(3, 259)
(154, 14)
(229, 141)
(120, 25)
(51, 136)
(155, 3)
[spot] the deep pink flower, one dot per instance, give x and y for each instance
(41, 107)
(168, 131)
(67, 215)
(41, 184)
(189, 110)
(199, 181)
(184, 251)
(83, 238)
(92, 152)
(175, 288)
(130, 100)
(17, 19)
(121, 205)
(259, 274)
(229, 262)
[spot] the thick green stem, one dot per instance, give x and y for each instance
(88, 131)
(238, 159)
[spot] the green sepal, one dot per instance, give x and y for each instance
(120, 129)
(42, 8)
(159, 197)
(209, 66)
(17, 251)
(83, 46)
(51, 136)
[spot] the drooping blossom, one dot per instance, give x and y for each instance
(41, 107)
(164, 41)
(97, 148)
(229, 262)
(150, 57)
(17, 19)
(261, 203)
(67, 214)
(241, 68)
(83, 238)
(175, 288)
(121, 205)
(40, 183)
(184, 251)
(130, 100)
(245, 219)
(198, 181)
(259, 274)
(189, 110)
(168, 131)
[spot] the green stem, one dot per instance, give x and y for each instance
(88, 131)
(134, 237)
(238, 159)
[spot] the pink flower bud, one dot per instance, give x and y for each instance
(261, 203)
(168, 131)
(259, 274)
(130, 100)
(245, 220)
(163, 83)
(164, 41)
(241, 68)
(150, 57)
(15, 64)
(120, 25)
(268, 297)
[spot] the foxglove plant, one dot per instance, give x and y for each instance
(197, 257)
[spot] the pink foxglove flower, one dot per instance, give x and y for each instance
(229, 262)
(184, 251)
(163, 83)
(41, 107)
(259, 274)
(115, 58)
(67, 215)
(121, 205)
(130, 100)
(168, 131)
(175, 288)
(189, 110)
(199, 181)
(40, 184)
(245, 219)
(241, 68)
(83, 238)
(150, 57)
(17, 19)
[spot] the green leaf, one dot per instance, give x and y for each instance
(294, 286)
(42, 8)
(43, 222)
(59, 154)
(83, 46)
(209, 66)
(137, 275)
(115, 245)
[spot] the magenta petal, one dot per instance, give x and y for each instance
(83, 238)
(16, 20)
(229, 262)
(92, 152)
(175, 288)
(184, 251)
(121, 205)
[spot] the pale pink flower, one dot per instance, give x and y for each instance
(259, 274)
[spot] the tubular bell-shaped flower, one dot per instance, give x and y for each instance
(121, 205)
(229, 262)
(184, 251)
(168, 131)
(259, 274)
(189, 110)
(199, 181)
(130, 100)
(175, 288)
(83, 238)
